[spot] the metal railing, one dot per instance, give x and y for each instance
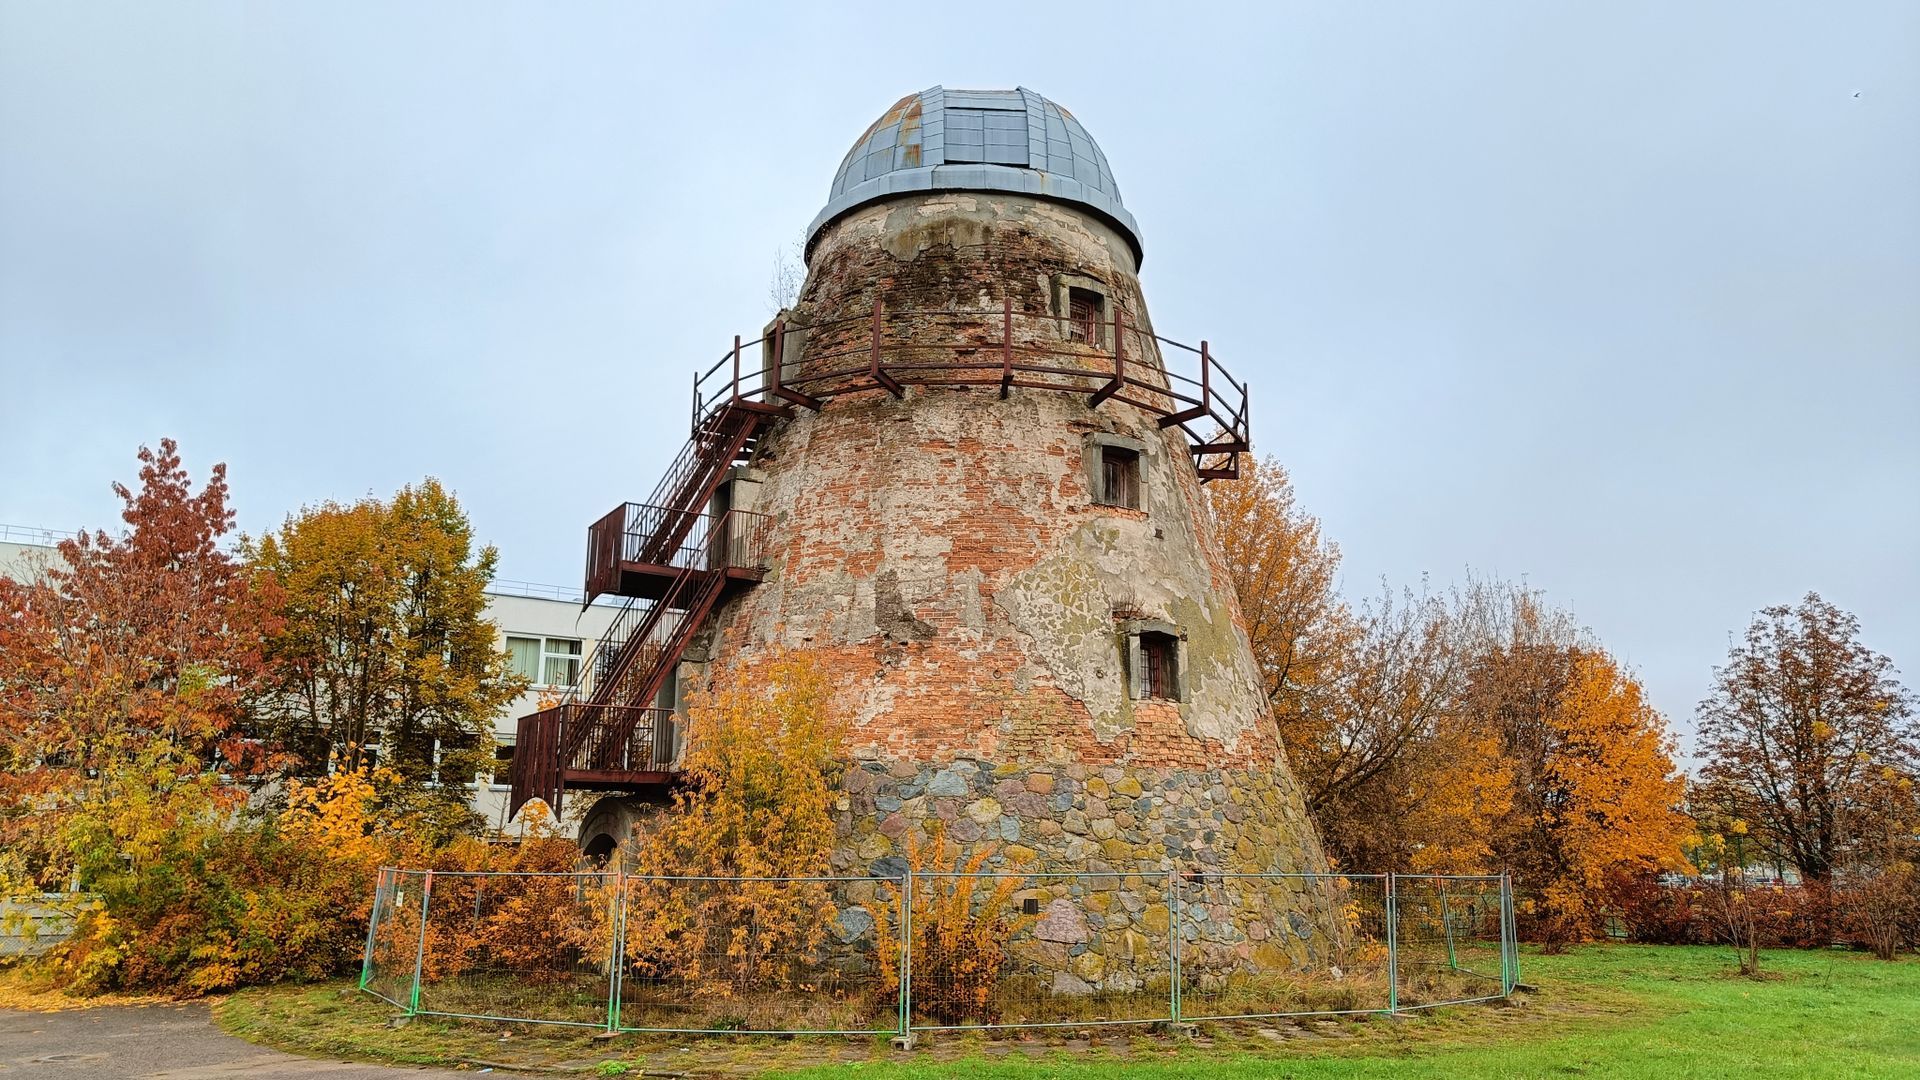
(33, 536)
(1002, 348)
(664, 536)
(933, 951)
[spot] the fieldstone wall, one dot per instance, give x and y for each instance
(1100, 843)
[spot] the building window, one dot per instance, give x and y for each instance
(563, 661)
(1156, 660)
(1120, 477)
(1161, 655)
(523, 656)
(985, 136)
(545, 661)
(1083, 316)
(442, 749)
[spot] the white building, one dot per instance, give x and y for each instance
(543, 629)
(547, 635)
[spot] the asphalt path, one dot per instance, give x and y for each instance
(175, 1042)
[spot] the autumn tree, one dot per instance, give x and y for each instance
(1285, 575)
(1471, 730)
(129, 669)
(384, 645)
(1380, 748)
(1602, 800)
(1802, 723)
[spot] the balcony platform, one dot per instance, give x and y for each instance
(652, 581)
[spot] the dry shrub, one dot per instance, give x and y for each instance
(1881, 908)
(960, 931)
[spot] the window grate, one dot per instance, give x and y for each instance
(1083, 316)
(1160, 652)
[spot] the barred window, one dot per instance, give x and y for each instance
(1161, 652)
(1156, 661)
(1083, 316)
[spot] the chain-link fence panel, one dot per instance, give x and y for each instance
(932, 951)
(1450, 939)
(1257, 945)
(1040, 949)
(532, 947)
(393, 936)
(766, 955)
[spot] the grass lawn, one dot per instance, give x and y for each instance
(1603, 1011)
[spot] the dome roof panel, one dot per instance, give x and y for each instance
(977, 140)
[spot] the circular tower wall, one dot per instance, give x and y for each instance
(948, 553)
(1026, 658)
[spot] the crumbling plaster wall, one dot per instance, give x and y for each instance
(945, 549)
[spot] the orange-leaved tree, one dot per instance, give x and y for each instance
(765, 749)
(1597, 798)
(134, 661)
(1285, 577)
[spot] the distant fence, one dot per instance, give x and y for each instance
(923, 952)
(34, 923)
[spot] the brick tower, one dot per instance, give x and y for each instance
(964, 470)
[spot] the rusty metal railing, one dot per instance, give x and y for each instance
(664, 536)
(1183, 386)
(578, 737)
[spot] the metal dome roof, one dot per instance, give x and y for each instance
(977, 140)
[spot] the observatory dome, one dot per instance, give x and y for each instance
(977, 140)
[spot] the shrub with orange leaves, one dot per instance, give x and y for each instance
(763, 761)
(960, 923)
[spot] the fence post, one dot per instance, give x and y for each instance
(617, 962)
(1512, 931)
(1173, 941)
(906, 953)
(420, 955)
(1506, 971)
(373, 927)
(1393, 949)
(1446, 923)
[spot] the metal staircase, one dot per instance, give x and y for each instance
(673, 562)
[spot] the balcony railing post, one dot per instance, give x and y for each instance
(775, 372)
(736, 369)
(1119, 380)
(1206, 376)
(779, 350)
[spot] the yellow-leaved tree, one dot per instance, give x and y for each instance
(765, 748)
(1599, 800)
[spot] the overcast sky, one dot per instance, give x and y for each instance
(1623, 301)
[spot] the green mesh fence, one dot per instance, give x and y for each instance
(928, 952)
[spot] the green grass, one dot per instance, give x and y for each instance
(1617, 1011)
(1601, 1011)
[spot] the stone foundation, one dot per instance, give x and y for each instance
(1101, 844)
